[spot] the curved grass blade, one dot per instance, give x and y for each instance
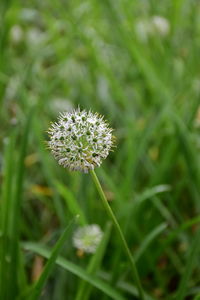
(176, 232)
(76, 270)
(150, 237)
(148, 194)
(37, 288)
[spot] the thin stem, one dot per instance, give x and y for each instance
(118, 228)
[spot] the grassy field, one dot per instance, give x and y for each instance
(136, 63)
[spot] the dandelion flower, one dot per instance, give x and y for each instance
(80, 140)
(87, 238)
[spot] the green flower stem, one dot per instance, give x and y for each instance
(118, 228)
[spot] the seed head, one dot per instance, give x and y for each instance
(80, 140)
(87, 238)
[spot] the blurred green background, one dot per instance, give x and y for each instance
(137, 63)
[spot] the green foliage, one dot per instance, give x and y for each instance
(107, 57)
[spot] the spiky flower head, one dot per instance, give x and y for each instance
(87, 238)
(80, 140)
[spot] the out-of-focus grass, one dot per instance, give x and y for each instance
(57, 55)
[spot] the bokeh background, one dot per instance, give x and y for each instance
(137, 63)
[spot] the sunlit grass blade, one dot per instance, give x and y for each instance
(149, 193)
(84, 289)
(146, 195)
(76, 270)
(36, 291)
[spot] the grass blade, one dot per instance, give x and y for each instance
(71, 202)
(37, 289)
(190, 265)
(5, 208)
(189, 154)
(15, 200)
(76, 270)
(150, 237)
(177, 233)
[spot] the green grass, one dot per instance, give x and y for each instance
(60, 54)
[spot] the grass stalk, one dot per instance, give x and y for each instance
(121, 235)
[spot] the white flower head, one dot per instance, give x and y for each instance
(87, 238)
(80, 140)
(161, 25)
(152, 27)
